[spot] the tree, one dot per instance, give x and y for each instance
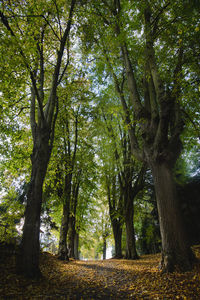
(133, 39)
(43, 111)
(69, 159)
(73, 243)
(11, 210)
(144, 54)
(110, 171)
(115, 210)
(72, 165)
(129, 185)
(161, 124)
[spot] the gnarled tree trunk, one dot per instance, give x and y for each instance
(175, 244)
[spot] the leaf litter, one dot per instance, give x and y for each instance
(104, 279)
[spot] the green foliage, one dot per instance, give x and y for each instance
(11, 213)
(88, 95)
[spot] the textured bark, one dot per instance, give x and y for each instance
(176, 249)
(28, 258)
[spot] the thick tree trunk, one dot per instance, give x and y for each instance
(28, 257)
(117, 232)
(176, 251)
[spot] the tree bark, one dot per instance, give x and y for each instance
(62, 248)
(72, 234)
(117, 232)
(104, 247)
(131, 252)
(176, 250)
(28, 258)
(70, 196)
(129, 193)
(74, 203)
(76, 246)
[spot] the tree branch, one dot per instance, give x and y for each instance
(6, 24)
(60, 27)
(76, 140)
(51, 101)
(131, 130)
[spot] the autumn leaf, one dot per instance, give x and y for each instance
(107, 279)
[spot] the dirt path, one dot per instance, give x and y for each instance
(109, 279)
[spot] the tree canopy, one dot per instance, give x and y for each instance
(99, 128)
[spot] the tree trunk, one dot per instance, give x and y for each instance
(129, 196)
(176, 251)
(117, 232)
(104, 247)
(28, 257)
(62, 248)
(72, 234)
(76, 246)
(131, 252)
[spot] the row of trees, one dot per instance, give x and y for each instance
(113, 85)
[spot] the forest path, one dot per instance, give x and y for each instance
(108, 279)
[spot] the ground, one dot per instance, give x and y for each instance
(108, 279)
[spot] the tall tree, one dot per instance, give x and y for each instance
(35, 21)
(115, 210)
(70, 157)
(161, 125)
(134, 38)
(72, 219)
(72, 160)
(131, 182)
